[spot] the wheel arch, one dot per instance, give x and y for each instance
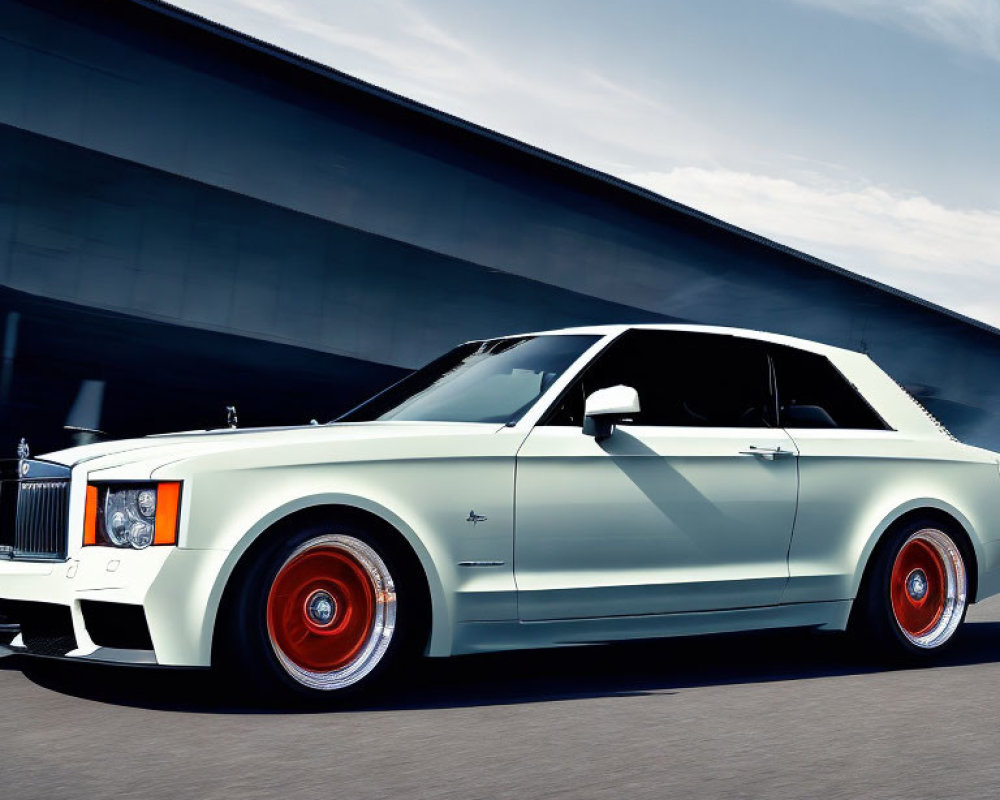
(308, 511)
(924, 508)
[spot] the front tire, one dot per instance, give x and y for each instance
(325, 613)
(915, 594)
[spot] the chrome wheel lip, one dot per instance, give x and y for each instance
(956, 589)
(383, 625)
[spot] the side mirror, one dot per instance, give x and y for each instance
(606, 407)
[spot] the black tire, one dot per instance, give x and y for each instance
(914, 595)
(255, 650)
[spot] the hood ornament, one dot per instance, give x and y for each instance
(23, 451)
(231, 419)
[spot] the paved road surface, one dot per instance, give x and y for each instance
(776, 716)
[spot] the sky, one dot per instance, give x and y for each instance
(863, 132)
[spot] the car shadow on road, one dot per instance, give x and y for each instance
(622, 669)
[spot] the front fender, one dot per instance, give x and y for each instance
(442, 614)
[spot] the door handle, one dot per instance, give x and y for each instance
(767, 453)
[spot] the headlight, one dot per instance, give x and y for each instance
(134, 515)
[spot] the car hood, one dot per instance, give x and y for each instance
(167, 448)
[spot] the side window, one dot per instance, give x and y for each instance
(683, 379)
(812, 393)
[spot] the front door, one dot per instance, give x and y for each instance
(687, 507)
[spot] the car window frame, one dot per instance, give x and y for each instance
(544, 420)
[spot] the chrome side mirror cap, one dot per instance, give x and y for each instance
(606, 407)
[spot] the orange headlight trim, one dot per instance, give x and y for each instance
(90, 517)
(168, 499)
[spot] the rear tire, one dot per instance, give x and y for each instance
(915, 593)
(327, 613)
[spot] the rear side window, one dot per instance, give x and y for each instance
(683, 379)
(812, 393)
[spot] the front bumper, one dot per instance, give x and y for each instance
(176, 590)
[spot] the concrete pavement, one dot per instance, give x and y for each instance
(771, 715)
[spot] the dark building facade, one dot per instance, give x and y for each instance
(190, 218)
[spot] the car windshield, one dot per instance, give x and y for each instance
(496, 380)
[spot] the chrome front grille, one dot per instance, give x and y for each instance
(34, 511)
(42, 516)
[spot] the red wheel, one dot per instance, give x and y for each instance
(915, 592)
(331, 611)
(927, 588)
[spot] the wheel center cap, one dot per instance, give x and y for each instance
(321, 608)
(916, 585)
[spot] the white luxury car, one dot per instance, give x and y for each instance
(546, 489)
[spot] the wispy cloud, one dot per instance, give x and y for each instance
(948, 255)
(972, 26)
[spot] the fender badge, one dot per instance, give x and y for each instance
(475, 518)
